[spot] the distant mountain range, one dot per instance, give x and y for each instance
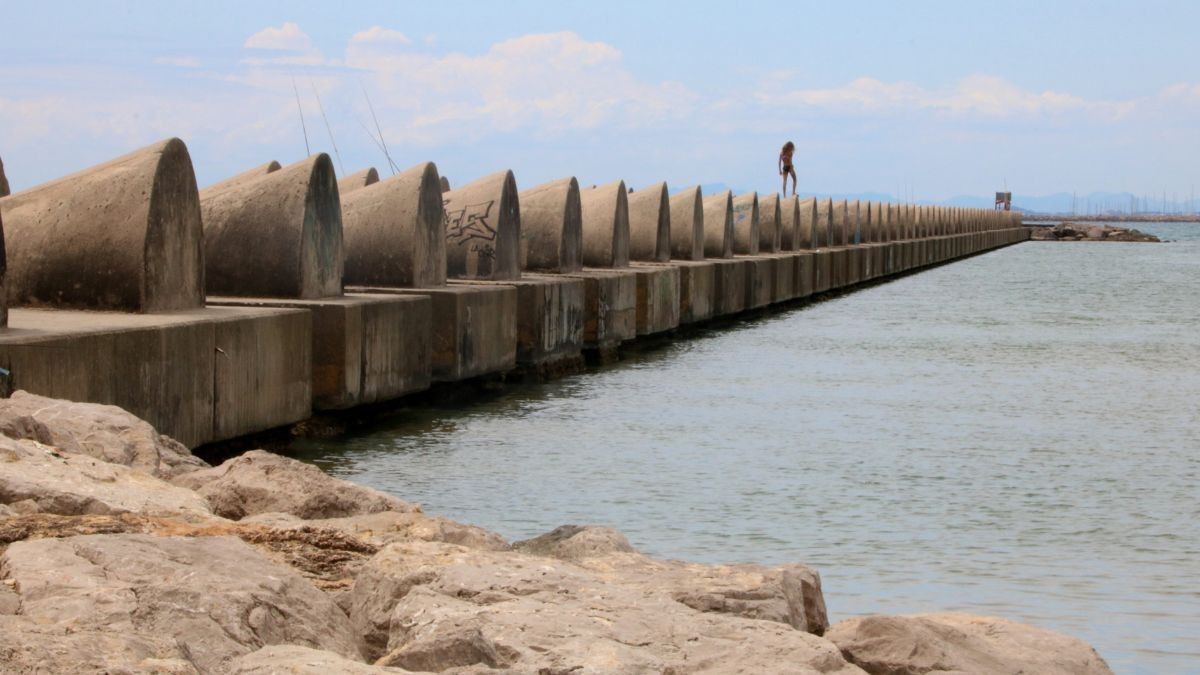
(1058, 203)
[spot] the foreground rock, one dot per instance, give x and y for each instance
(105, 432)
(37, 478)
(260, 482)
(961, 643)
(432, 606)
(1085, 232)
(110, 602)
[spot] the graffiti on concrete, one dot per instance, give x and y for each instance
(470, 227)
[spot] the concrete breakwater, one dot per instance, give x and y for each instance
(122, 552)
(281, 291)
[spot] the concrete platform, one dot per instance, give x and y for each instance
(731, 275)
(839, 276)
(697, 289)
(610, 306)
(366, 348)
(198, 375)
(657, 298)
(784, 276)
(806, 267)
(760, 281)
(822, 270)
(855, 261)
(550, 316)
(474, 328)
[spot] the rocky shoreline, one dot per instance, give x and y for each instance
(1087, 232)
(121, 552)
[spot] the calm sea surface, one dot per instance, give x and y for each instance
(1017, 434)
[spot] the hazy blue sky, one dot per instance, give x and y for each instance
(936, 98)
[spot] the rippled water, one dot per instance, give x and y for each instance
(1016, 434)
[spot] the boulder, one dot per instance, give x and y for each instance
(296, 660)
(37, 478)
(938, 643)
(262, 482)
(389, 527)
(432, 606)
(105, 432)
(789, 594)
(118, 600)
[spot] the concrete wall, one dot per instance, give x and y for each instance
(650, 224)
(552, 227)
(605, 225)
(483, 229)
(124, 235)
(395, 230)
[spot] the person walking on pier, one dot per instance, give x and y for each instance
(785, 166)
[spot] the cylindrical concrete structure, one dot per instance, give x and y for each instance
(860, 219)
(237, 179)
(789, 224)
(806, 228)
(687, 225)
(718, 225)
(483, 229)
(4, 190)
(357, 181)
(842, 224)
(770, 224)
(552, 227)
(3, 264)
(878, 218)
(650, 224)
(395, 231)
(745, 224)
(125, 235)
(823, 235)
(277, 234)
(444, 183)
(606, 225)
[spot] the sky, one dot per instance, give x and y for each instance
(922, 100)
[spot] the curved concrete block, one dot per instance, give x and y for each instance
(650, 224)
(483, 229)
(823, 234)
(718, 225)
(3, 289)
(552, 227)
(789, 224)
(806, 228)
(770, 224)
(357, 181)
(395, 231)
(277, 234)
(445, 184)
(260, 170)
(745, 224)
(606, 225)
(687, 225)
(841, 223)
(124, 235)
(4, 190)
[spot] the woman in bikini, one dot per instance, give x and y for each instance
(785, 166)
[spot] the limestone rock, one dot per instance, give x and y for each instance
(296, 660)
(389, 527)
(937, 643)
(39, 478)
(105, 432)
(436, 606)
(789, 594)
(125, 598)
(28, 646)
(262, 482)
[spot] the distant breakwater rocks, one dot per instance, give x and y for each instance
(120, 551)
(1085, 232)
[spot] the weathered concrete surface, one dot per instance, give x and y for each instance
(483, 229)
(358, 180)
(610, 302)
(760, 281)
(3, 287)
(605, 225)
(746, 224)
(199, 376)
(366, 348)
(395, 231)
(124, 235)
(658, 297)
(789, 225)
(822, 270)
(687, 225)
(260, 482)
(550, 315)
(841, 223)
(718, 225)
(806, 271)
(961, 643)
(104, 432)
(103, 603)
(4, 189)
(474, 328)
(37, 478)
(552, 227)
(783, 276)
(731, 277)
(697, 289)
(650, 224)
(275, 233)
(770, 224)
(823, 231)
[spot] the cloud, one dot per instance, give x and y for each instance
(380, 35)
(177, 61)
(287, 37)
